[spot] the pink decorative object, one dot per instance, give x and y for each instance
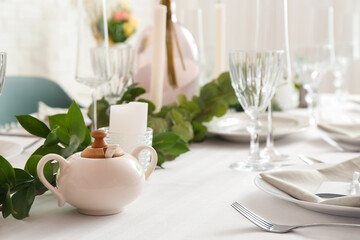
(185, 61)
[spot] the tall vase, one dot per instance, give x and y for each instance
(182, 69)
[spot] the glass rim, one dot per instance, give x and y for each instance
(113, 48)
(107, 130)
(256, 51)
(313, 46)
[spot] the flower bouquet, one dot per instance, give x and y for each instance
(121, 23)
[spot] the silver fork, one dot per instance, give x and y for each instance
(278, 228)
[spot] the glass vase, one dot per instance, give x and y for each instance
(182, 68)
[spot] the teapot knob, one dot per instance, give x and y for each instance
(99, 141)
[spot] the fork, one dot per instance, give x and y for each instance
(278, 228)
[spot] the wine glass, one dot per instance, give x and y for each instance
(2, 69)
(344, 54)
(92, 62)
(273, 16)
(346, 47)
(121, 59)
(312, 63)
(254, 76)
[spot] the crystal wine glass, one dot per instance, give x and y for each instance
(254, 76)
(312, 63)
(2, 69)
(344, 54)
(346, 47)
(278, 24)
(92, 62)
(121, 59)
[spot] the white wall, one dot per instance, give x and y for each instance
(40, 35)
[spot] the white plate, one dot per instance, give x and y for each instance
(232, 126)
(9, 149)
(317, 207)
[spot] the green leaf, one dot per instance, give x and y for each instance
(178, 148)
(200, 131)
(33, 125)
(76, 122)
(131, 94)
(103, 112)
(73, 146)
(7, 206)
(43, 150)
(31, 164)
(165, 140)
(161, 158)
(7, 172)
(60, 121)
(177, 117)
(189, 106)
(22, 176)
(52, 138)
(208, 93)
(22, 201)
(219, 108)
(158, 125)
(184, 130)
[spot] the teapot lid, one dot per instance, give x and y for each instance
(99, 147)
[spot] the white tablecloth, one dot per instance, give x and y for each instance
(189, 199)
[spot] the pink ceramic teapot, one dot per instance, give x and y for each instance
(101, 180)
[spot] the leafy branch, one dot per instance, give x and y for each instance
(66, 135)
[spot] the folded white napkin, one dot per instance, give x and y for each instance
(303, 184)
(349, 130)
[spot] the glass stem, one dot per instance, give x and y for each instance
(254, 129)
(338, 84)
(93, 95)
(311, 99)
(270, 135)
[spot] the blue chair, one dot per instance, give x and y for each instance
(21, 95)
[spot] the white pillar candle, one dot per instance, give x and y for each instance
(355, 30)
(158, 57)
(128, 125)
(106, 39)
(331, 34)
(257, 26)
(128, 118)
(219, 39)
(106, 36)
(286, 38)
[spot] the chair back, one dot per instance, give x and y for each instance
(21, 95)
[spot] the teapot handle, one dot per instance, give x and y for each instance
(40, 172)
(153, 160)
